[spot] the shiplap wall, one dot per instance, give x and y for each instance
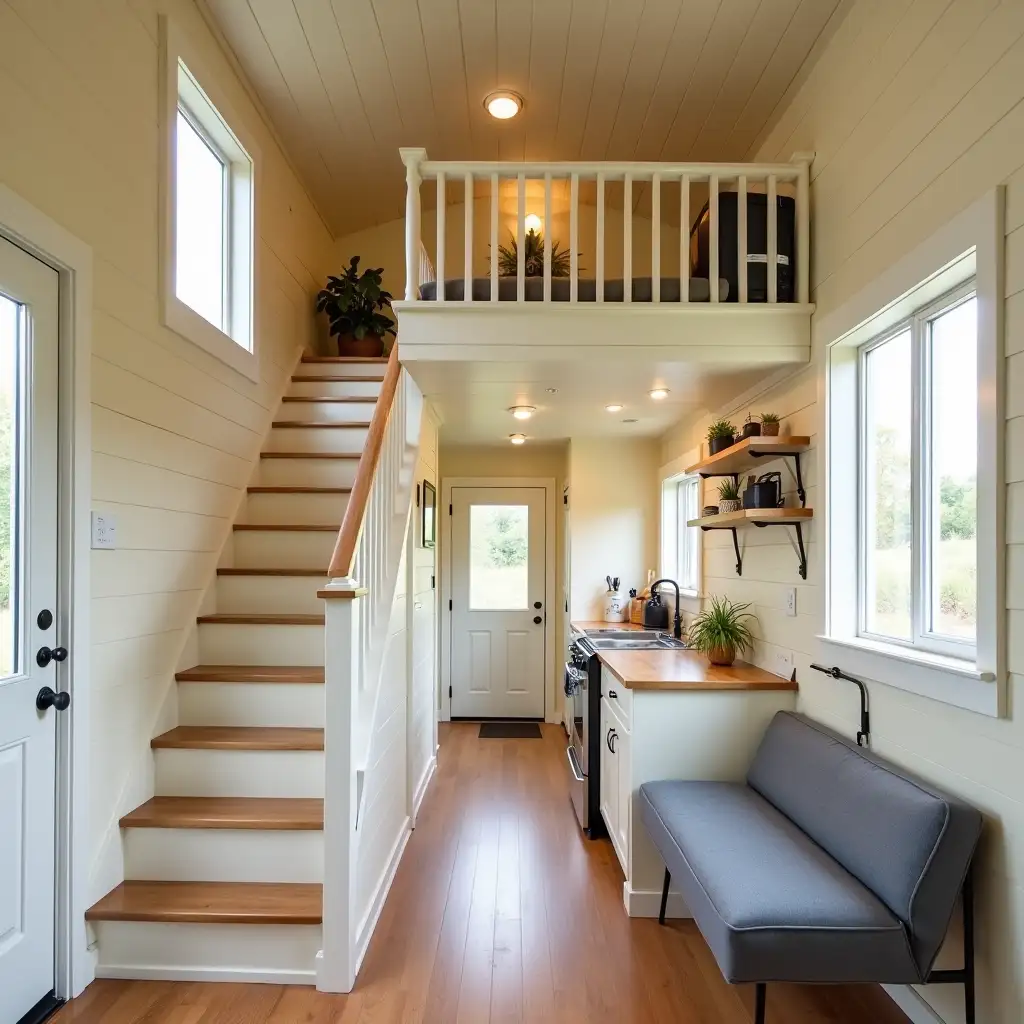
(175, 432)
(914, 109)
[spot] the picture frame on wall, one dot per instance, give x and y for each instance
(428, 516)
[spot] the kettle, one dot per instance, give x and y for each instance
(764, 492)
(656, 613)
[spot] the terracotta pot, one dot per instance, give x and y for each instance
(722, 655)
(770, 429)
(366, 347)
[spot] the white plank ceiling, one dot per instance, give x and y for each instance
(346, 82)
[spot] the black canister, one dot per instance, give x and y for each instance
(656, 613)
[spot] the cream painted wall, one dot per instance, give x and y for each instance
(613, 518)
(914, 110)
(529, 460)
(175, 432)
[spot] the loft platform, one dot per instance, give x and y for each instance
(633, 280)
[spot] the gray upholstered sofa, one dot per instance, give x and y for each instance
(828, 865)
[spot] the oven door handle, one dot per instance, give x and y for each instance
(574, 765)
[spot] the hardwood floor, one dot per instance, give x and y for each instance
(501, 912)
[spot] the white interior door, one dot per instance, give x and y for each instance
(498, 602)
(28, 595)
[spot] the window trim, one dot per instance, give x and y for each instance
(186, 84)
(672, 477)
(970, 243)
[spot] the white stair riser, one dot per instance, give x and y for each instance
(286, 773)
(223, 855)
(283, 954)
(327, 412)
(270, 595)
(341, 369)
(313, 509)
(283, 549)
(316, 439)
(307, 472)
(286, 705)
(222, 644)
(333, 388)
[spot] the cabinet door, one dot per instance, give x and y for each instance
(624, 797)
(609, 774)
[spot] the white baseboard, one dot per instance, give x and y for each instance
(910, 1002)
(135, 972)
(647, 903)
(369, 923)
(421, 789)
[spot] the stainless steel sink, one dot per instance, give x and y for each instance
(637, 641)
(624, 634)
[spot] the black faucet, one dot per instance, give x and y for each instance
(677, 619)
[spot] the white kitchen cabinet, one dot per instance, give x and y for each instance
(670, 734)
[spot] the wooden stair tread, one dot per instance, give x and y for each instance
(233, 737)
(299, 490)
(287, 527)
(212, 903)
(338, 399)
(310, 455)
(318, 425)
(317, 573)
(252, 674)
(247, 619)
(233, 812)
(302, 378)
(345, 359)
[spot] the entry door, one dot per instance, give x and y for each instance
(498, 602)
(28, 594)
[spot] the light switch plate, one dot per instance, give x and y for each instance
(784, 664)
(791, 601)
(104, 531)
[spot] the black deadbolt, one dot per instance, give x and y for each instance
(537, 619)
(46, 698)
(537, 604)
(44, 620)
(44, 655)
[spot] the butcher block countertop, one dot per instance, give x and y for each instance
(680, 670)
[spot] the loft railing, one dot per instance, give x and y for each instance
(662, 178)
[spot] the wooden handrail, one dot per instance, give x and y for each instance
(352, 523)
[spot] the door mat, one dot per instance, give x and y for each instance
(509, 731)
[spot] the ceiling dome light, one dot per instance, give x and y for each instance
(614, 407)
(523, 412)
(533, 223)
(552, 391)
(517, 438)
(659, 393)
(503, 105)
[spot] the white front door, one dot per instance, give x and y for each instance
(28, 627)
(498, 602)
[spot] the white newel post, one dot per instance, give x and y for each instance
(412, 158)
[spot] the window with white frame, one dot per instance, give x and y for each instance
(680, 544)
(918, 480)
(208, 227)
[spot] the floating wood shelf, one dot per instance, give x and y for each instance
(761, 517)
(750, 454)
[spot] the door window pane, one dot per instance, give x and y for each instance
(200, 264)
(953, 507)
(10, 316)
(888, 509)
(498, 557)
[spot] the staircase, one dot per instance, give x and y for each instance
(224, 866)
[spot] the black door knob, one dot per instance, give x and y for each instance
(46, 698)
(537, 619)
(44, 655)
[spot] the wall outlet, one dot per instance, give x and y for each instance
(791, 601)
(104, 531)
(783, 665)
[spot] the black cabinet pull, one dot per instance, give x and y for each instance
(612, 735)
(613, 695)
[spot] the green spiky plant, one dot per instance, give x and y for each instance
(721, 429)
(721, 631)
(769, 417)
(728, 491)
(533, 257)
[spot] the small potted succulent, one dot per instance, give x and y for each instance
(728, 497)
(752, 427)
(353, 304)
(721, 435)
(721, 631)
(770, 424)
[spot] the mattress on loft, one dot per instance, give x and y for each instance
(613, 289)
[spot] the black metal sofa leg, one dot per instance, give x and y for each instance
(664, 896)
(760, 994)
(967, 898)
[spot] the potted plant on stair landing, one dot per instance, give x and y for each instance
(720, 632)
(354, 303)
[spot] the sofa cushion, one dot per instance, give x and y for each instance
(771, 904)
(909, 843)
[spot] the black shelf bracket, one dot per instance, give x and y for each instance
(795, 456)
(735, 546)
(798, 527)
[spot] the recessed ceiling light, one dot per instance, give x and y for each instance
(517, 438)
(614, 407)
(659, 393)
(552, 391)
(630, 421)
(503, 104)
(523, 412)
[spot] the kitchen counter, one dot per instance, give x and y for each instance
(680, 670)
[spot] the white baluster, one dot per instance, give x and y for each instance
(412, 158)
(741, 236)
(684, 238)
(441, 209)
(521, 240)
(494, 238)
(467, 276)
(773, 240)
(627, 238)
(600, 236)
(713, 235)
(656, 238)
(574, 237)
(547, 237)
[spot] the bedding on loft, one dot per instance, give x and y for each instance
(614, 289)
